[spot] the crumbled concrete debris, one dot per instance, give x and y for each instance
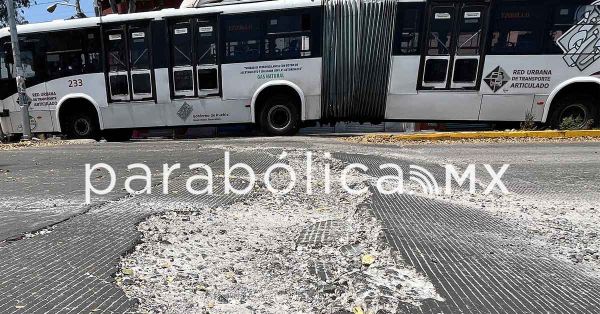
(270, 253)
(34, 203)
(44, 143)
(38, 233)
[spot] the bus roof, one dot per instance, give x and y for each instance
(221, 7)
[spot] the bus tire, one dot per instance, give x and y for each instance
(279, 116)
(577, 106)
(82, 125)
(117, 135)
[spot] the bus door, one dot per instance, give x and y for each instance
(128, 60)
(194, 57)
(453, 53)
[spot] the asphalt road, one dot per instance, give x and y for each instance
(478, 260)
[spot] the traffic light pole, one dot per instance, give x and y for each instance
(20, 77)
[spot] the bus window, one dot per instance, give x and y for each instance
(440, 34)
(407, 37)
(564, 16)
(182, 44)
(517, 29)
(242, 39)
(288, 37)
(470, 29)
(140, 63)
(117, 64)
(118, 86)
(208, 79)
(206, 42)
(93, 48)
(32, 52)
(33, 58)
(436, 71)
(5, 68)
(6, 62)
(206, 56)
(140, 56)
(116, 51)
(64, 56)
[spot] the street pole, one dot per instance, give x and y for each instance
(97, 7)
(79, 13)
(20, 77)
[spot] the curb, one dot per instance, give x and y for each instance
(440, 136)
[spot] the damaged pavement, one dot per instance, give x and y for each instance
(265, 253)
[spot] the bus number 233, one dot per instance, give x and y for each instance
(76, 83)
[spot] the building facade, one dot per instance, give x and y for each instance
(140, 5)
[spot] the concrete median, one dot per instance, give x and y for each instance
(448, 136)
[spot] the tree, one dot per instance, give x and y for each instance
(19, 5)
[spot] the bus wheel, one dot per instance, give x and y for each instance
(579, 108)
(279, 116)
(83, 126)
(117, 135)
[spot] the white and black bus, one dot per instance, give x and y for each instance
(283, 63)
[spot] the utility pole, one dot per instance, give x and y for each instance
(79, 13)
(97, 9)
(20, 77)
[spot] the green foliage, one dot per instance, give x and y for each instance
(570, 123)
(19, 6)
(529, 124)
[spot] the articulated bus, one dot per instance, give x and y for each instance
(285, 63)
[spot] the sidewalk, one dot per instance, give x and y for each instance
(449, 136)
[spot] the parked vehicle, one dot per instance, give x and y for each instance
(280, 64)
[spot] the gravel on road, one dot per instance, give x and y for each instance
(272, 253)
